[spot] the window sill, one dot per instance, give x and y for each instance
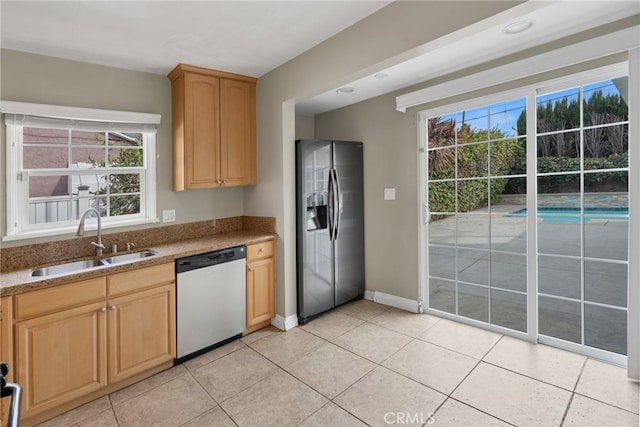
(67, 229)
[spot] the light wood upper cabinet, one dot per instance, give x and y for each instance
(260, 285)
(213, 128)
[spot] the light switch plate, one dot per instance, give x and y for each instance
(169, 215)
(389, 193)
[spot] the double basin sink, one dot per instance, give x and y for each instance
(80, 266)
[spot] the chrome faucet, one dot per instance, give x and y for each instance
(99, 246)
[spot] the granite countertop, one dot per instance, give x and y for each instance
(18, 281)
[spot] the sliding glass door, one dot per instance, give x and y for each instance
(551, 262)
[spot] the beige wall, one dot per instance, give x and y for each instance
(390, 161)
(392, 34)
(45, 80)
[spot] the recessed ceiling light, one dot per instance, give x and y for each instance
(517, 27)
(346, 89)
(381, 75)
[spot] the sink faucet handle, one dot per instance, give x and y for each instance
(130, 245)
(99, 248)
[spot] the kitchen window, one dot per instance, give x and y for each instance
(64, 160)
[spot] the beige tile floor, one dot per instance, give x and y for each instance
(369, 364)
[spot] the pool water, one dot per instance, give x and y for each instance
(572, 215)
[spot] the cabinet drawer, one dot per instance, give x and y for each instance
(140, 278)
(55, 299)
(260, 250)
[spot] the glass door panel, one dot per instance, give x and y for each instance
(582, 214)
(477, 197)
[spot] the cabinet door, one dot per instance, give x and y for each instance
(61, 356)
(141, 331)
(237, 132)
(201, 131)
(260, 292)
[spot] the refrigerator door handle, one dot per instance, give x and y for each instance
(332, 205)
(338, 213)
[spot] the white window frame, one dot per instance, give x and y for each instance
(18, 115)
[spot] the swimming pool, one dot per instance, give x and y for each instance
(572, 215)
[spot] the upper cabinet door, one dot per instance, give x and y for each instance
(202, 130)
(238, 132)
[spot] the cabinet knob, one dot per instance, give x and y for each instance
(251, 270)
(261, 249)
(113, 308)
(103, 309)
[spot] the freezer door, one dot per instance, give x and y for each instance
(349, 242)
(315, 292)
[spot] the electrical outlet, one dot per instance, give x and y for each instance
(169, 215)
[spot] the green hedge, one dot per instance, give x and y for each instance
(506, 156)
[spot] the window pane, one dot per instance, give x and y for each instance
(124, 183)
(509, 271)
(473, 302)
(45, 157)
(87, 157)
(509, 309)
(47, 186)
(508, 157)
(550, 186)
(473, 161)
(559, 152)
(603, 103)
(442, 295)
(442, 230)
(559, 110)
(47, 211)
(473, 195)
(559, 276)
(442, 262)
(606, 239)
(560, 319)
(606, 147)
(125, 157)
(124, 205)
(125, 139)
(605, 283)
(472, 125)
(442, 163)
(442, 196)
(605, 328)
(87, 138)
(473, 266)
(473, 231)
(508, 118)
(40, 136)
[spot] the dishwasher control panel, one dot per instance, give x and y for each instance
(210, 258)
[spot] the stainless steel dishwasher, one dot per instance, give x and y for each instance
(211, 300)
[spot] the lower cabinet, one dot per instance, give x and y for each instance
(260, 285)
(141, 331)
(61, 356)
(124, 327)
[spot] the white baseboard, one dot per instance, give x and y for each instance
(285, 323)
(405, 304)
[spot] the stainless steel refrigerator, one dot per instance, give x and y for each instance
(329, 225)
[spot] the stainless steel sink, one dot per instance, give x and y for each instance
(135, 256)
(78, 266)
(67, 268)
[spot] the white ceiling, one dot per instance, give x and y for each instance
(254, 37)
(245, 37)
